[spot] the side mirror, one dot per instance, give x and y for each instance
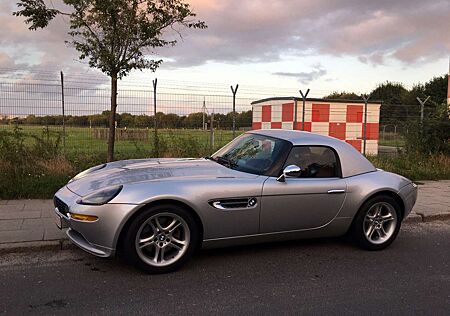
(289, 171)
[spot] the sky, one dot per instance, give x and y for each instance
(324, 45)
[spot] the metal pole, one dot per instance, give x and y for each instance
(366, 101)
(63, 112)
(204, 110)
(211, 128)
(422, 106)
(234, 91)
(295, 113)
(303, 109)
(155, 126)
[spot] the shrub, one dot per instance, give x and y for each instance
(430, 137)
(31, 167)
(415, 166)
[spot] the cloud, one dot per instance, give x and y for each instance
(305, 77)
(262, 31)
(375, 32)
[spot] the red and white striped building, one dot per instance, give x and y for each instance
(337, 118)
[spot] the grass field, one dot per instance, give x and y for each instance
(181, 142)
(80, 140)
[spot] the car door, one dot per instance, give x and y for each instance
(308, 201)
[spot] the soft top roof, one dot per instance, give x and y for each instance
(352, 161)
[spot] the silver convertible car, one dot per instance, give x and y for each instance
(266, 185)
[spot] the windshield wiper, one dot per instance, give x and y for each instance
(226, 162)
(223, 161)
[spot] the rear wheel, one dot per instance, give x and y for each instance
(377, 223)
(161, 239)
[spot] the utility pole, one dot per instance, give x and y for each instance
(422, 106)
(366, 101)
(304, 105)
(234, 91)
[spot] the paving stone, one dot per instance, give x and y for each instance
(3, 202)
(11, 208)
(19, 215)
(21, 235)
(15, 202)
(30, 223)
(54, 233)
(38, 205)
(48, 213)
(10, 224)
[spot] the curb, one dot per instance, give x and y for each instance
(413, 218)
(435, 217)
(31, 246)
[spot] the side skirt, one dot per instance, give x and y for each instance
(338, 227)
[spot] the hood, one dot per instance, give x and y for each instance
(147, 170)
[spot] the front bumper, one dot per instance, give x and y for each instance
(99, 237)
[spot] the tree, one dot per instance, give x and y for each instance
(343, 96)
(114, 35)
(393, 95)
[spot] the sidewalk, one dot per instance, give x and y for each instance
(30, 223)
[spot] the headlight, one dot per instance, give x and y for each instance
(101, 197)
(87, 171)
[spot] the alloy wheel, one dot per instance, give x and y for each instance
(380, 223)
(162, 239)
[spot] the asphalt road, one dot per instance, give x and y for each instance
(302, 277)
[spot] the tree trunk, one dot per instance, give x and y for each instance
(112, 119)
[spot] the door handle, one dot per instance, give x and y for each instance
(335, 191)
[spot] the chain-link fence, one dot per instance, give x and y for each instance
(191, 118)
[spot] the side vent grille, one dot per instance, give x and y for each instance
(230, 204)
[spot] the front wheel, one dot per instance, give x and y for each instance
(377, 223)
(161, 239)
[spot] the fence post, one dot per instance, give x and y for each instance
(366, 101)
(211, 136)
(234, 91)
(422, 106)
(295, 113)
(204, 114)
(303, 109)
(63, 112)
(155, 125)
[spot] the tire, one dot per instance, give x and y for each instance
(161, 239)
(375, 230)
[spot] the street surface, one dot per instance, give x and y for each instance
(302, 277)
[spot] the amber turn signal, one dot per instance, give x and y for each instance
(84, 218)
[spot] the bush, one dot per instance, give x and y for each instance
(415, 166)
(31, 167)
(430, 137)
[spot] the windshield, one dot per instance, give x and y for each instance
(256, 154)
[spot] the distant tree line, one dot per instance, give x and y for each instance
(168, 121)
(400, 104)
